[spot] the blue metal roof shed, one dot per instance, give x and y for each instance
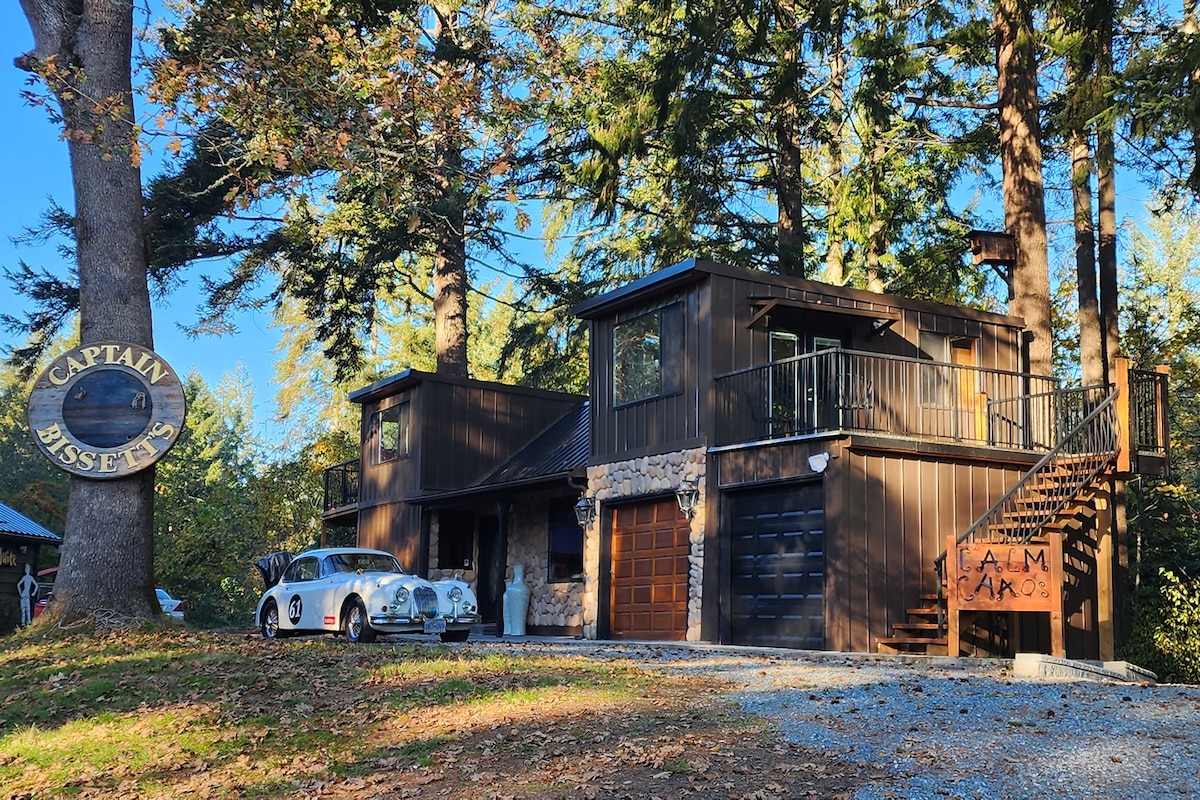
(15, 524)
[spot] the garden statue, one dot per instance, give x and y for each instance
(27, 587)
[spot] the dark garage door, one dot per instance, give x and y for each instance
(649, 571)
(778, 567)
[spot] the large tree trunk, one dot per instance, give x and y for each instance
(1109, 315)
(788, 162)
(108, 551)
(450, 303)
(1107, 196)
(450, 262)
(835, 254)
(1021, 159)
(1091, 348)
(450, 253)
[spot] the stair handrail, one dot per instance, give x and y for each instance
(1098, 427)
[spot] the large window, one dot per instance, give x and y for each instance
(389, 429)
(647, 353)
(637, 358)
(566, 542)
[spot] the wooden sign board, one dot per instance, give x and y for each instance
(996, 576)
(106, 410)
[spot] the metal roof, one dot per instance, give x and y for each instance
(14, 523)
(557, 450)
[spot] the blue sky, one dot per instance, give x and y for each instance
(37, 168)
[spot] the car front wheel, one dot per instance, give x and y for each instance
(270, 622)
(357, 627)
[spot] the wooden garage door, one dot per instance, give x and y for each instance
(777, 576)
(649, 571)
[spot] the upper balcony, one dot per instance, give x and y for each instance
(838, 391)
(340, 504)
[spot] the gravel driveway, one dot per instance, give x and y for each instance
(965, 728)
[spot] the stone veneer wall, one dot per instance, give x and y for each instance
(648, 475)
(550, 604)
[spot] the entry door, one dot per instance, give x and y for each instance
(971, 404)
(649, 589)
(823, 385)
(777, 569)
(490, 568)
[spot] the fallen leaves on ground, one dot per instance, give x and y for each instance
(216, 716)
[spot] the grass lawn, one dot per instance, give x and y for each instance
(172, 713)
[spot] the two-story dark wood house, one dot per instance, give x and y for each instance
(772, 461)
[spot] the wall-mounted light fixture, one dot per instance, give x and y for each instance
(688, 495)
(820, 461)
(585, 510)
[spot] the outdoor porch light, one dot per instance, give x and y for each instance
(688, 495)
(585, 510)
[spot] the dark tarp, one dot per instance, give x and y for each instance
(271, 567)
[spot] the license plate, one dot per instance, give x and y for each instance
(435, 626)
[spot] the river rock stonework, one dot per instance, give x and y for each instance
(636, 477)
(557, 604)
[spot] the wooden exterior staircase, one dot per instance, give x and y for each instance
(1056, 496)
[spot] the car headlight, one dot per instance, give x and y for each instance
(456, 594)
(401, 596)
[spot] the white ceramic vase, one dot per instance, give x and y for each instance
(516, 602)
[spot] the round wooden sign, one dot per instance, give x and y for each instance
(107, 409)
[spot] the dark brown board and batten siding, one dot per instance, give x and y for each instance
(385, 522)
(719, 304)
(887, 515)
(895, 510)
(735, 346)
(671, 421)
(471, 428)
(459, 430)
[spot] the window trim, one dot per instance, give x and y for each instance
(403, 423)
(658, 382)
(671, 338)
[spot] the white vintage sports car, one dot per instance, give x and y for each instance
(361, 593)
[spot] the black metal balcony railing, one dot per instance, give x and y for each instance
(341, 485)
(1148, 401)
(840, 390)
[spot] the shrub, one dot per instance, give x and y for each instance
(1166, 629)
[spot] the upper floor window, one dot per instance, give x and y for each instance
(389, 430)
(647, 353)
(637, 359)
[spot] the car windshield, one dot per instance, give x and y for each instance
(361, 562)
